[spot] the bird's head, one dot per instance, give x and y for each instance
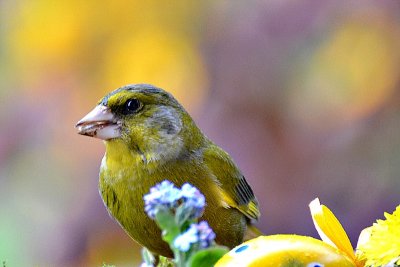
(147, 119)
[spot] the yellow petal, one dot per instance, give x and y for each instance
(364, 237)
(285, 251)
(363, 240)
(329, 228)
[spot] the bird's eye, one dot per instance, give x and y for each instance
(131, 106)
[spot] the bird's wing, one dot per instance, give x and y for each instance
(236, 192)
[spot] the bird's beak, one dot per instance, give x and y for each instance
(100, 123)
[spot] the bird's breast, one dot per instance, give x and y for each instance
(124, 180)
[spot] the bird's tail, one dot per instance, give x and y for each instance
(252, 232)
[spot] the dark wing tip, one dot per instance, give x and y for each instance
(247, 200)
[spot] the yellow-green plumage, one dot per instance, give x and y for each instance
(156, 141)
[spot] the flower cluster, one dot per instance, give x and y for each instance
(193, 200)
(165, 196)
(176, 211)
(200, 233)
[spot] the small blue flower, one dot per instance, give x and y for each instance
(163, 195)
(194, 200)
(206, 234)
(189, 191)
(197, 233)
(184, 241)
(188, 200)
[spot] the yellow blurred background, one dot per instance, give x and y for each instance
(304, 95)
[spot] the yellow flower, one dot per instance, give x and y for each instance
(381, 242)
(378, 245)
(331, 231)
(335, 248)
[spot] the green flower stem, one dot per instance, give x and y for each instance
(180, 258)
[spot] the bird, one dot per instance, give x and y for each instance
(149, 137)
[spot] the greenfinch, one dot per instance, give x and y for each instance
(149, 137)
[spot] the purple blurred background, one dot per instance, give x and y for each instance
(304, 95)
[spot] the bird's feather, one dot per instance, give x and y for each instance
(235, 190)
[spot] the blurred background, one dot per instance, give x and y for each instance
(304, 95)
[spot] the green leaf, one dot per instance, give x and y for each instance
(207, 257)
(166, 221)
